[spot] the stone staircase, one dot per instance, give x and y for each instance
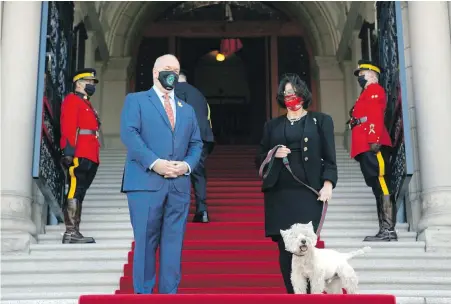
(56, 273)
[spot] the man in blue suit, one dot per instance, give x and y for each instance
(163, 143)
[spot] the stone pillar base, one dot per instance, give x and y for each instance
(438, 239)
(15, 243)
(435, 225)
(18, 230)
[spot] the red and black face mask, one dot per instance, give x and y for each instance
(293, 102)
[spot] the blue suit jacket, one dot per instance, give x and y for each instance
(147, 134)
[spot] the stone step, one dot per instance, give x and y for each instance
(116, 183)
(117, 179)
(328, 231)
(402, 297)
(212, 187)
(336, 226)
(252, 192)
(336, 196)
(363, 267)
(221, 162)
(374, 260)
(242, 205)
(366, 265)
(121, 206)
(406, 248)
(74, 282)
(439, 297)
(335, 204)
(331, 217)
(107, 171)
(216, 153)
(248, 163)
(127, 234)
(118, 252)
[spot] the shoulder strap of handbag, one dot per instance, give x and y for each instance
(269, 160)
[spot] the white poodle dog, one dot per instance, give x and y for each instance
(326, 269)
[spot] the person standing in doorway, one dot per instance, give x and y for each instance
(80, 145)
(371, 145)
(163, 142)
(197, 100)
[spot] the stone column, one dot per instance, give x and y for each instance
(19, 58)
(114, 80)
(90, 62)
(356, 48)
(431, 68)
(348, 68)
(332, 93)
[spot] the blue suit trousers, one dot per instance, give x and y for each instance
(159, 220)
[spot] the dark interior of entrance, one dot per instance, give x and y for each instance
(235, 88)
(241, 88)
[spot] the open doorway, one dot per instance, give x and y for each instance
(234, 88)
(241, 90)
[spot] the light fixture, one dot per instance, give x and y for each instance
(220, 57)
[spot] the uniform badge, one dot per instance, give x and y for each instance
(314, 119)
(179, 104)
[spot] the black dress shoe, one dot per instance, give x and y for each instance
(201, 217)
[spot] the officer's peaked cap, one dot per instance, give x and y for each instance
(88, 73)
(367, 65)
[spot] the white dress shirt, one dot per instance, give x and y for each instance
(172, 102)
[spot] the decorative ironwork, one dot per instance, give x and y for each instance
(53, 84)
(393, 79)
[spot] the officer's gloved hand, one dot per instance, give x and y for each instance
(375, 148)
(67, 160)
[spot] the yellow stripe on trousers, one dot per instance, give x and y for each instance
(73, 179)
(382, 182)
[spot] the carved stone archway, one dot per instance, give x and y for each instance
(127, 19)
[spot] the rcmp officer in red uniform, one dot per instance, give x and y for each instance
(80, 145)
(371, 145)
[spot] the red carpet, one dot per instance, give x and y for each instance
(239, 299)
(230, 256)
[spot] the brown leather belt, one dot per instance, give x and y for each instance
(270, 160)
(88, 132)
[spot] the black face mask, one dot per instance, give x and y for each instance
(168, 79)
(362, 81)
(90, 89)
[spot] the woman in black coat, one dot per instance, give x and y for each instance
(308, 143)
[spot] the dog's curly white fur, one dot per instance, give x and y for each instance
(326, 269)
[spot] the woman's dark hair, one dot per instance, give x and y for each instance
(299, 86)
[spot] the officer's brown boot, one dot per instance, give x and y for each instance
(72, 215)
(387, 221)
(379, 216)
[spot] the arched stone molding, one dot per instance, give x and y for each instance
(124, 22)
(126, 19)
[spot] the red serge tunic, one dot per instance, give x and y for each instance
(78, 114)
(371, 104)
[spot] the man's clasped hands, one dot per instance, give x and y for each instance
(170, 168)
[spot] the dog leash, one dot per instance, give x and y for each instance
(269, 160)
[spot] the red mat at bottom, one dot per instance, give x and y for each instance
(238, 299)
